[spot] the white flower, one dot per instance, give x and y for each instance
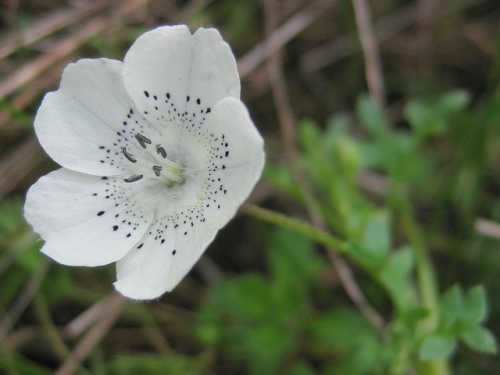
(157, 154)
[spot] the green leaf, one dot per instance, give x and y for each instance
(267, 344)
(370, 116)
(245, 297)
(282, 176)
(423, 119)
(480, 339)
(341, 328)
(401, 158)
(453, 102)
(451, 305)
(153, 365)
(362, 256)
(377, 236)
(474, 307)
(429, 118)
(395, 276)
(301, 368)
(437, 346)
(309, 135)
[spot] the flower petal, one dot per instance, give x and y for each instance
(85, 124)
(166, 253)
(169, 72)
(88, 220)
(237, 157)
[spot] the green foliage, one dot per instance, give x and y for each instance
(436, 346)
(462, 316)
(154, 365)
(269, 312)
(332, 161)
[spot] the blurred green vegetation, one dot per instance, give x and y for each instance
(414, 181)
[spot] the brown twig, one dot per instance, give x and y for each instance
(113, 309)
(83, 321)
(46, 26)
(373, 66)
(277, 39)
(16, 165)
(342, 46)
(384, 29)
(23, 300)
(32, 92)
(60, 50)
(288, 129)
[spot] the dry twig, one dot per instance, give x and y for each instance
(46, 26)
(277, 39)
(373, 66)
(113, 309)
(23, 300)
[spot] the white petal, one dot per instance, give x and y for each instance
(237, 157)
(167, 252)
(168, 69)
(86, 220)
(85, 124)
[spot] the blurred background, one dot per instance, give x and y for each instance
(371, 110)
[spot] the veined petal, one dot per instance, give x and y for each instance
(236, 157)
(167, 252)
(174, 76)
(88, 220)
(85, 124)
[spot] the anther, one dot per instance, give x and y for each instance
(157, 170)
(142, 140)
(161, 151)
(134, 178)
(128, 156)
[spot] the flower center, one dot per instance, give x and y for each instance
(165, 169)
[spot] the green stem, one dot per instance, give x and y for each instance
(427, 285)
(296, 225)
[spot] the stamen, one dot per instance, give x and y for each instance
(134, 178)
(142, 140)
(128, 156)
(157, 170)
(161, 151)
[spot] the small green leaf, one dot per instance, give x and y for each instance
(422, 118)
(301, 368)
(340, 328)
(480, 339)
(394, 275)
(453, 102)
(370, 116)
(377, 236)
(437, 346)
(362, 256)
(309, 135)
(474, 306)
(451, 305)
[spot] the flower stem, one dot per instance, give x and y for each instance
(296, 225)
(427, 285)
